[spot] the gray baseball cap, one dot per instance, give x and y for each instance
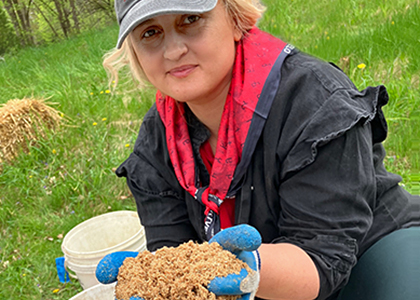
(131, 13)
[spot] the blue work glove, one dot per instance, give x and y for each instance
(108, 267)
(243, 241)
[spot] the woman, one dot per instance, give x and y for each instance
(247, 130)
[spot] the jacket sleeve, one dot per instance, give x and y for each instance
(327, 206)
(327, 174)
(160, 200)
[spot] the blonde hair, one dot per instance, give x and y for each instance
(244, 14)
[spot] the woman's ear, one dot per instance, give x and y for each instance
(237, 34)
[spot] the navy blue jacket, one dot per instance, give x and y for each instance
(316, 178)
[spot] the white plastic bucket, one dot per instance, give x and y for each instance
(86, 273)
(87, 243)
(97, 292)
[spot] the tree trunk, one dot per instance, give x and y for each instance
(26, 17)
(8, 5)
(19, 14)
(74, 16)
(46, 20)
(103, 6)
(60, 14)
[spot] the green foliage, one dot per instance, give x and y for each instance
(47, 26)
(42, 22)
(69, 177)
(8, 39)
(42, 29)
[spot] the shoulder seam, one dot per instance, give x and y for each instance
(332, 88)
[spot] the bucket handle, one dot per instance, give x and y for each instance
(71, 274)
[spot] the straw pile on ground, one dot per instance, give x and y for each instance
(22, 123)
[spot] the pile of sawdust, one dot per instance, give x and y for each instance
(22, 123)
(177, 273)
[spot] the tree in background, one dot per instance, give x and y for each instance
(18, 11)
(8, 39)
(41, 21)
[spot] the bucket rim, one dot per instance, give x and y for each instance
(69, 258)
(80, 226)
(87, 272)
(100, 253)
(77, 266)
(99, 286)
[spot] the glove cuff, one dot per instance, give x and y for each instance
(257, 259)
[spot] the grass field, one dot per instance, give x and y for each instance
(69, 177)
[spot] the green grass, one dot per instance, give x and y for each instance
(385, 38)
(68, 177)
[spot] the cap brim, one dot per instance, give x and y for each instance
(146, 9)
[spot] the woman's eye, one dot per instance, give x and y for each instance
(149, 33)
(191, 19)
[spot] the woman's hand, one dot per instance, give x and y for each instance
(108, 267)
(243, 241)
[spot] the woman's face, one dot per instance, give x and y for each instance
(188, 57)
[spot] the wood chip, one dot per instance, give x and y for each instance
(177, 273)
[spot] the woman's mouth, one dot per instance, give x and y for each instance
(182, 71)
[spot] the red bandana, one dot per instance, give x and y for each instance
(255, 56)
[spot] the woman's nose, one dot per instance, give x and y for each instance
(175, 47)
